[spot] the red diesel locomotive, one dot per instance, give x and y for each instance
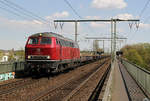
(50, 52)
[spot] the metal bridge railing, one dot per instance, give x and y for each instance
(6, 67)
(11, 66)
(141, 75)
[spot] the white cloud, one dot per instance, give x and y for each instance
(62, 14)
(22, 24)
(58, 15)
(109, 4)
(142, 25)
(124, 16)
(18, 29)
(34, 24)
(95, 24)
(38, 22)
(92, 17)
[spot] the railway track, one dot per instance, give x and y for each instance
(12, 85)
(17, 86)
(91, 88)
(30, 89)
(72, 87)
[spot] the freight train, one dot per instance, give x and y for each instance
(49, 52)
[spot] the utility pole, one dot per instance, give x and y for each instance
(113, 30)
(103, 44)
(114, 56)
(76, 33)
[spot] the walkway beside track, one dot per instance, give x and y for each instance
(123, 87)
(134, 91)
(118, 88)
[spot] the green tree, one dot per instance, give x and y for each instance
(1, 54)
(138, 54)
(20, 54)
(11, 56)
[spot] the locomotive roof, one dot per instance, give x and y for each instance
(50, 34)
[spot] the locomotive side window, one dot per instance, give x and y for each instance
(57, 42)
(72, 45)
(61, 42)
(45, 40)
(67, 44)
(33, 41)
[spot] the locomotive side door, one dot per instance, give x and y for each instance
(60, 49)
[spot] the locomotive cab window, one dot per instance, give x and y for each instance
(45, 40)
(33, 41)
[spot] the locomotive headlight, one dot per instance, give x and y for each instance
(29, 57)
(48, 57)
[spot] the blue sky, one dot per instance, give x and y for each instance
(15, 29)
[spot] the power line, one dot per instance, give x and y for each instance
(35, 15)
(14, 13)
(10, 11)
(72, 9)
(147, 19)
(144, 8)
(15, 9)
(21, 11)
(76, 12)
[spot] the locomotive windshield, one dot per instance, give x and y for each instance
(33, 40)
(45, 40)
